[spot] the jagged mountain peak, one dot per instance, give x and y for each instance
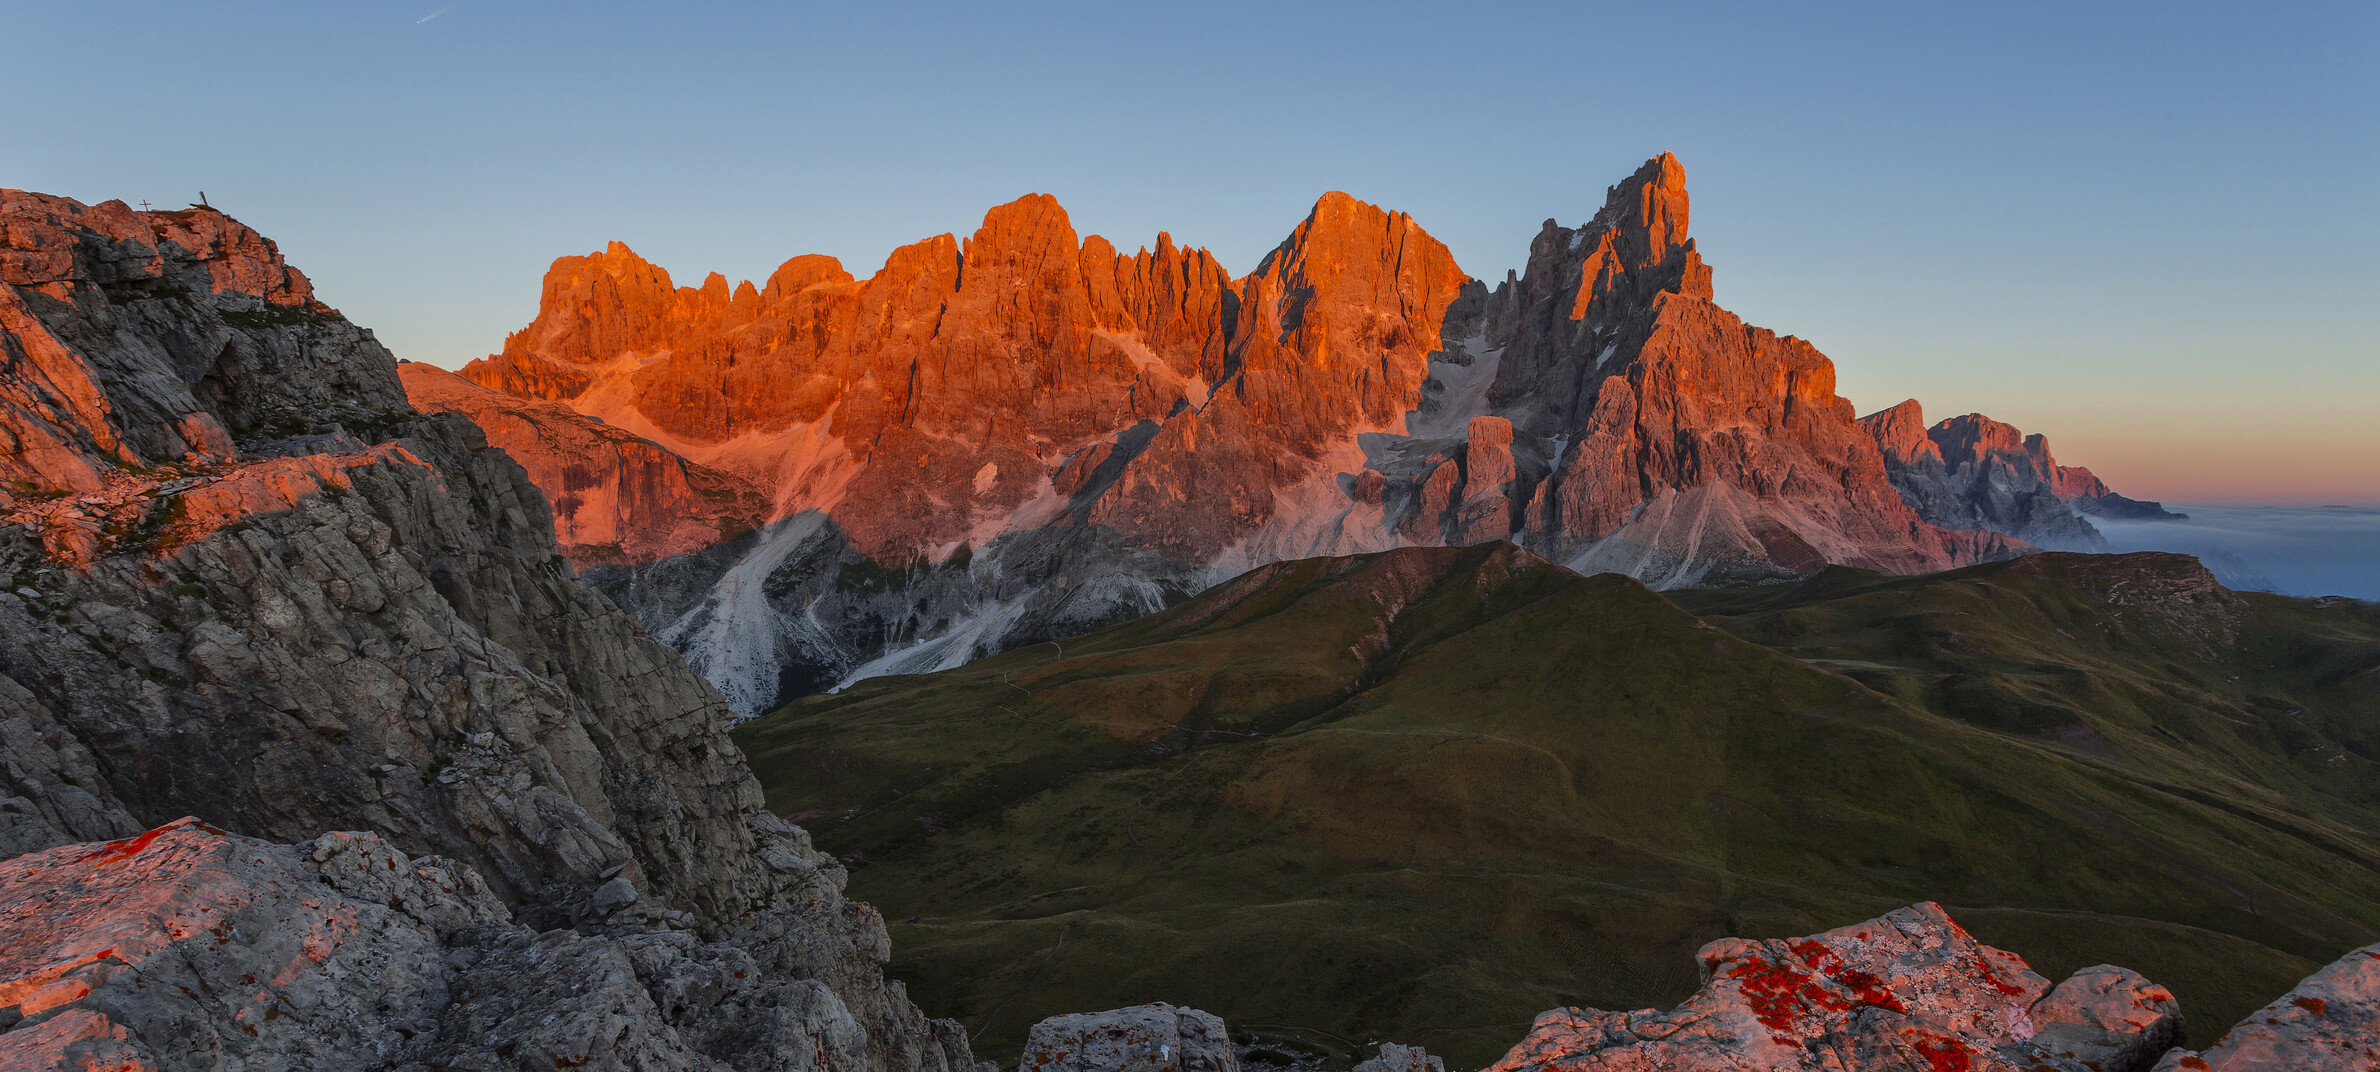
(1648, 211)
(802, 272)
(1033, 229)
(617, 261)
(1900, 431)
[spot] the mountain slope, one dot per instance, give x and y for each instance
(2142, 661)
(1429, 793)
(1044, 409)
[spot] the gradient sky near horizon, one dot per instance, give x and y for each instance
(2150, 231)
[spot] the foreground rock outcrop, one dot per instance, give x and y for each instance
(1149, 1038)
(1028, 434)
(2329, 1023)
(189, 947)
(1158, 1037)
(248, 582)
(1907, 990)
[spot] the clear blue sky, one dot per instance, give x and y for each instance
(2151, 231)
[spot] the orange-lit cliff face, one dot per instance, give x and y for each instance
(939, 402)
(617, 498)
(1148, 420)
(1333, 338)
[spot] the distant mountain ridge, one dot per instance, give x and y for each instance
(1975, 472)
(1028, 434)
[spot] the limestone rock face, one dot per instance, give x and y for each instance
(1146, 1038)
(247, 582)
(1038, 408)
(1908, 990)
(2329, 1023)
(925, 397)
(1973, 472)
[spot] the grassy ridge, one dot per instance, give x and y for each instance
(1424, 795)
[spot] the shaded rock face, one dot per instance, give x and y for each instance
(1973, 472)
(248, 582)
(2329, 1023)
(1355, 392)
(1908, 990)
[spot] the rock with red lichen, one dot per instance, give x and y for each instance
(1908, 990)
(2329, 1023)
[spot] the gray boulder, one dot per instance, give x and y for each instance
(1145, 1038)
(1396, 1058)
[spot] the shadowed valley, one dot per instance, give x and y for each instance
(1427, 793)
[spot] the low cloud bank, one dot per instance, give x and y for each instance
(2300, 551)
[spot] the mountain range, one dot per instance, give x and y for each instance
(1029, 434)
(316, 751)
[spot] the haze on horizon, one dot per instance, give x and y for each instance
(2148, 232)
